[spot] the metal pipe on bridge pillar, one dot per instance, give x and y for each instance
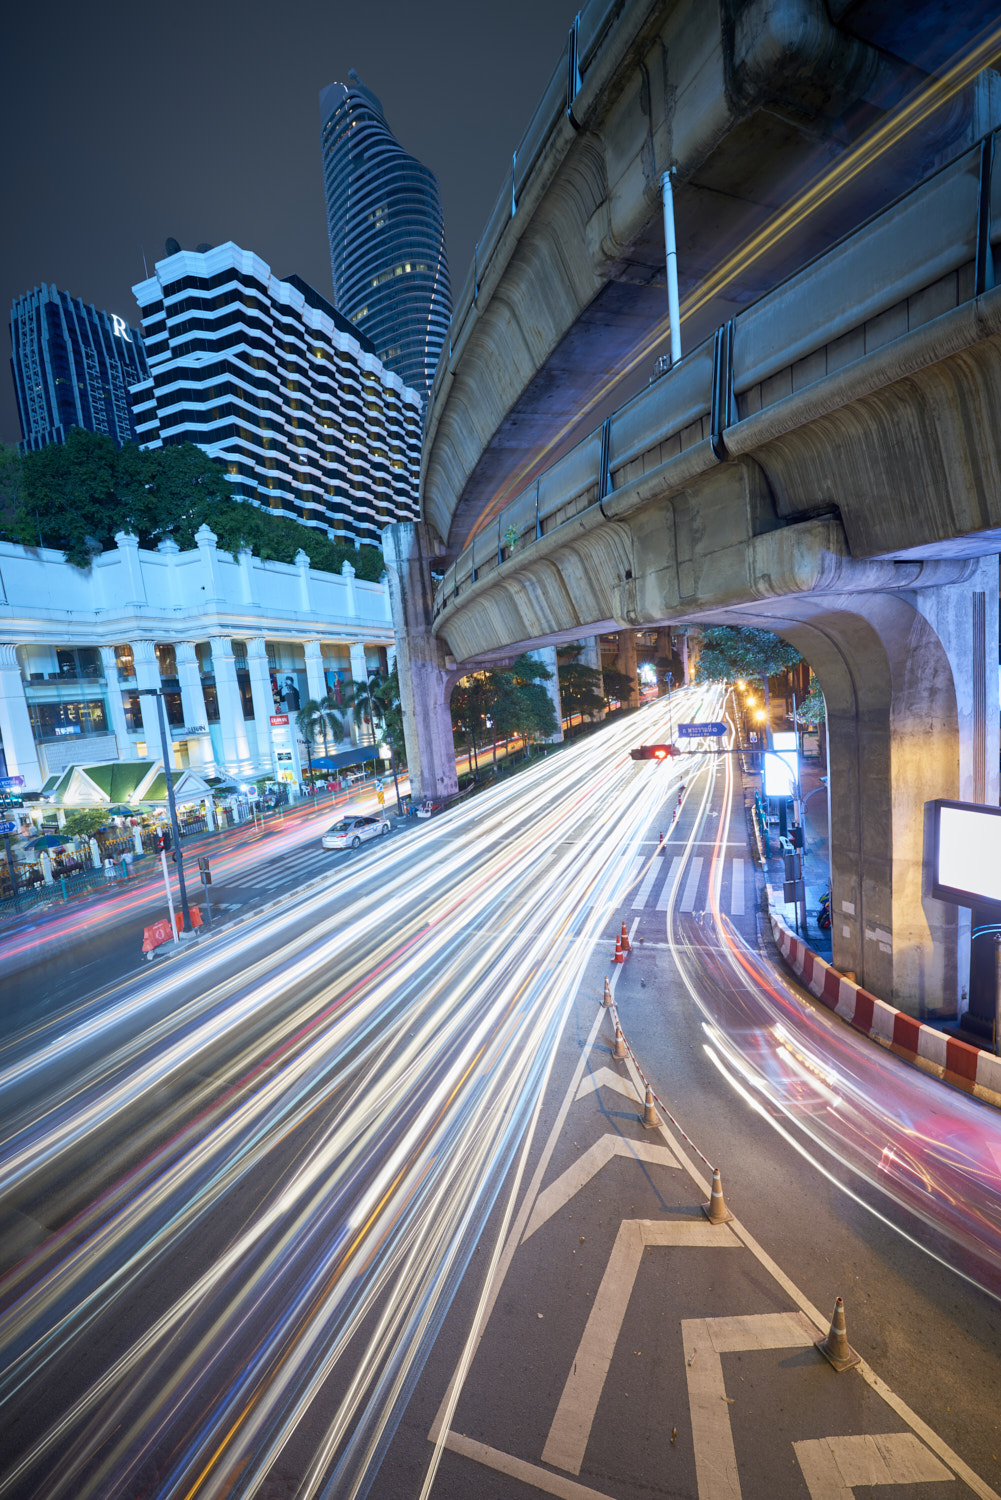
(671, 258)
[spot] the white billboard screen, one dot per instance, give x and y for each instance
(780, 777)
(968, 853)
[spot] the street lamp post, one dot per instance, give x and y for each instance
(157, 693)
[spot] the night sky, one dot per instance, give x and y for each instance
(123, 124)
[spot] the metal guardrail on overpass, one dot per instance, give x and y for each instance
(928, 253)
(587, 34)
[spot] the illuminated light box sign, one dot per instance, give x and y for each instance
(780, 774)
(966, 853)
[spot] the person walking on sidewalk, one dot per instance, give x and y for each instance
(109, 870)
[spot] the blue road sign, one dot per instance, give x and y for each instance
(6, 782)
(699, 731)
(8, 827)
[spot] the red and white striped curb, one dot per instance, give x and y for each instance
(969, 1068)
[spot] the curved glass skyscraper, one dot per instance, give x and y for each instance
(387, 235)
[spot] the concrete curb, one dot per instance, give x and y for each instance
(968, 1068)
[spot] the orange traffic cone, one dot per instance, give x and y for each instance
(620, 957)
(716, 1210)
(620, 1044)
(627, 946)
(607, 1000)
(836, 1348)
(651, 1119)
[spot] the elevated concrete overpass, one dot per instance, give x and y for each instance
(826, 465)
(746, 103)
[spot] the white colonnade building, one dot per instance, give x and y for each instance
(235, 644)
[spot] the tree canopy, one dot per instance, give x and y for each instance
(734, 653)
(76, 495)
(581, 690)
(513, 699)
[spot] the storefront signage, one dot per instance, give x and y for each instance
(120, 328)
(279, 719)
(67, 729)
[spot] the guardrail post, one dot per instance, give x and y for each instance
(573, 69)
(983, 278)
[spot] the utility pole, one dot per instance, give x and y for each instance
(157, 693)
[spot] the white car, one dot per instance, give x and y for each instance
(348, 833)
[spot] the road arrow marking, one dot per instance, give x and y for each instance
(604, 1078)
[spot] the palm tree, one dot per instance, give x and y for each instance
(365, 702)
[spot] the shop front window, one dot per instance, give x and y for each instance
(69, 720)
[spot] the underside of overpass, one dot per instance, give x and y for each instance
(747, 104)
(828, 467)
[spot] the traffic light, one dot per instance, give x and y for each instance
(203, 870)
(163, 841)
(652, 752)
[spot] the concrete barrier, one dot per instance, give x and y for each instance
(968, 1068)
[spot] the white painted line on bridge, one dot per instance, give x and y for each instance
(571, 1426)
(834, 1466)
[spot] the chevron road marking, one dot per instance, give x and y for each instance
(570, 1182)
(834, 1467)
(571, 1426)
(604, 1078)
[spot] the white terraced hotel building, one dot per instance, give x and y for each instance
(264, 374)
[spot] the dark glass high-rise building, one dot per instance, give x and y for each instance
(72, 367)
(387, 235)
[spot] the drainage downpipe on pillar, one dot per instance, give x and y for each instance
(671, 258)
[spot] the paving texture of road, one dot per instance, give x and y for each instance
(278, 1194)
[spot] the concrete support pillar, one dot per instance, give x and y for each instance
(116, 708)
(263, 699)
(590, 656)
(663, 649)
(193, 699)
(235, 749)
(15, 721)
(547, 656)
(911, 686)
(316, 682)
(425, 676)
(625, 661)
(359, 666)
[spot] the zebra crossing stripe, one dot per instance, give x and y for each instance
(668, 886)
(737, 888)
(642, 896)
(692, 885)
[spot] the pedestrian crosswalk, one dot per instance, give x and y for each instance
(654, 885)
(301, 867)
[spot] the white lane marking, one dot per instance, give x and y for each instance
(737, 887)
(875, 1382)
(570, 1182)
(604, 1078)
(704, 1340)
(692, 884)
(503, 1260)
(517, 1468)
(571, 1426)
(834, 1466)
(643, 894)
(663, 900)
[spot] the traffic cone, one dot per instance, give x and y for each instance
(651, 1119)
(836, 1348)
(716, 1210)
(620, 1044)
(627, 946)
(620, 957)
(607, 1000)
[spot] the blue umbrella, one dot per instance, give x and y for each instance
(46, 841)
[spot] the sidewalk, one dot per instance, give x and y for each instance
(815, 856)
